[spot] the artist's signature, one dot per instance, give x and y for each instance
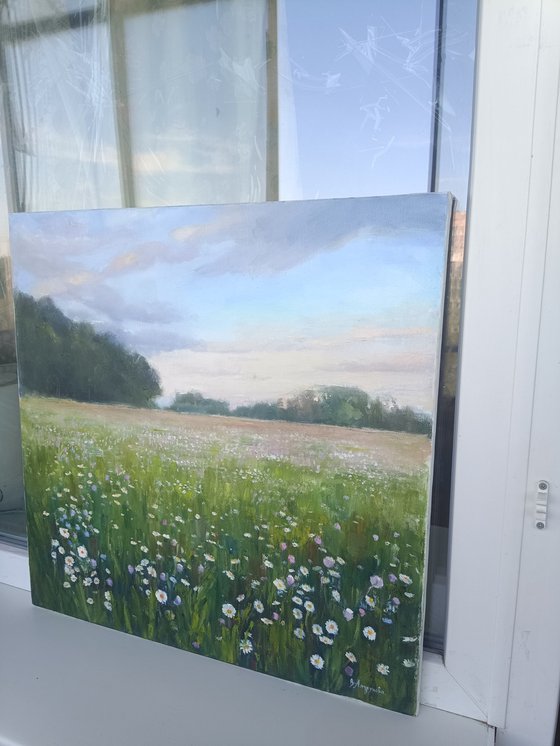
(367, 689)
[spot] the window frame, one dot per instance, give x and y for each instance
(515, 102)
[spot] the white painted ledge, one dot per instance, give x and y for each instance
(64, 681)
(14, 567)
(139, 685)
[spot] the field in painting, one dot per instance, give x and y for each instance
(295, 550)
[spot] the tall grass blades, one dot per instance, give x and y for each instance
(293, 550)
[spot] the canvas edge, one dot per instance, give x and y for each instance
(445, 277)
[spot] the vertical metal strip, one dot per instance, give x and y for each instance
(119, 77)
(15, 202)
(436, 95)
(272, 155)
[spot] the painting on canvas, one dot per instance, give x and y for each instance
(227, 416)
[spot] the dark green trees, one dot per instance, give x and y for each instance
(68, 359)
(345, 406)
(197, 404)
(352, 407)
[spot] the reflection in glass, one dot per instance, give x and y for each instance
(360, 87)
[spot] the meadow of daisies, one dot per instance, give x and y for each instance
(273, 547)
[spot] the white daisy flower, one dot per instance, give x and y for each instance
(258, 606)
(279, 584)
(317, 662)
(297, 613)
(369, 633)
(299, 633)
(228, 610)
(246, 646)
(309, 606)
(383, 669)
(331, 626)
(161, 596)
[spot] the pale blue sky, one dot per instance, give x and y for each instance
(250, 302)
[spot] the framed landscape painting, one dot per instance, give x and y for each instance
(227, 415)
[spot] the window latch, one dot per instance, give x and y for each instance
(541, 504)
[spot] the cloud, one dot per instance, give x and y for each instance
(261, 368)
(269, 238)
(414, 362)
(258, 240)
(151, 340)
(92, 263)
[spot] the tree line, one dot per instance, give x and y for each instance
(69, 359)
(345, 406)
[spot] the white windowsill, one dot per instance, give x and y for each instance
(14, 567)
(438, 689)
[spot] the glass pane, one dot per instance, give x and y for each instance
(61, 125)
(35, 12)
(196, 80)
(12, 514)
(356, 99)
(453, 148)
(153, 102)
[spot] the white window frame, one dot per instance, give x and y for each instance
(512, 156)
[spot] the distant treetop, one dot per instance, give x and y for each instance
(345, 406)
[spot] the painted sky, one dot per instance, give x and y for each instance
(254, 302)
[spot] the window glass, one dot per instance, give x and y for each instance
(158, 102)
(61, 125)
(196, 79)
(45, 11)
(359, 88)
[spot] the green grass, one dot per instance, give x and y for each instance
(154, 531)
